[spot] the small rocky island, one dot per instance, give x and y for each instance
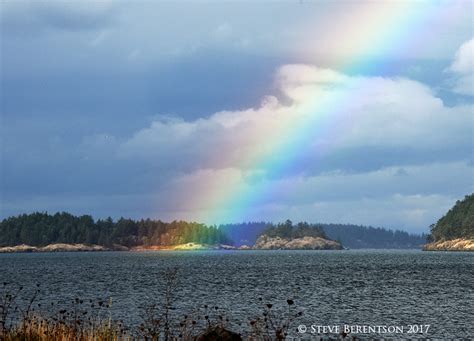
(305, 243)
(302, 236)
(455, 230)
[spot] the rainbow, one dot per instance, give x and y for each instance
(371, 31)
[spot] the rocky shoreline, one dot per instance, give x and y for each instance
(60, 247)
(183, 247)
(459, 244)
(265, 242)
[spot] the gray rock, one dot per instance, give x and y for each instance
(265, 242)
(218, 334)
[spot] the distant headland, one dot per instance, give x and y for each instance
(455, 230)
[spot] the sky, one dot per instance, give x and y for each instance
(218, 112)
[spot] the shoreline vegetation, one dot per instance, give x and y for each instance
(23, 317)
(455, 230)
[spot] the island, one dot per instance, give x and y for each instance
(302, 236)
(455, 230)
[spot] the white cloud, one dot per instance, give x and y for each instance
(328, 113)
(464, 59)
(463, 69)
(374, 110)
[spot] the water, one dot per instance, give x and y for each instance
(356, 287)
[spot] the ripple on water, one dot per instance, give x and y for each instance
(351, 287)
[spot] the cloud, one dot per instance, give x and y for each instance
(464, 59)
(324, 121)
(463, 69)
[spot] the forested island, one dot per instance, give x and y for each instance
(301, 236)
(41, 231)
(455, 230)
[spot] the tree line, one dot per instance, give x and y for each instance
(40, 229)
(458, 222)
(289, 231)
(368, 237)
(350, 235)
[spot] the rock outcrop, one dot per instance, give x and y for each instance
(18, 248)
(72, 247)
(54, 248)
(459, 244)
(218, 334)
(265, 242)
(245, 247)
(60, 247)
(183, 247)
